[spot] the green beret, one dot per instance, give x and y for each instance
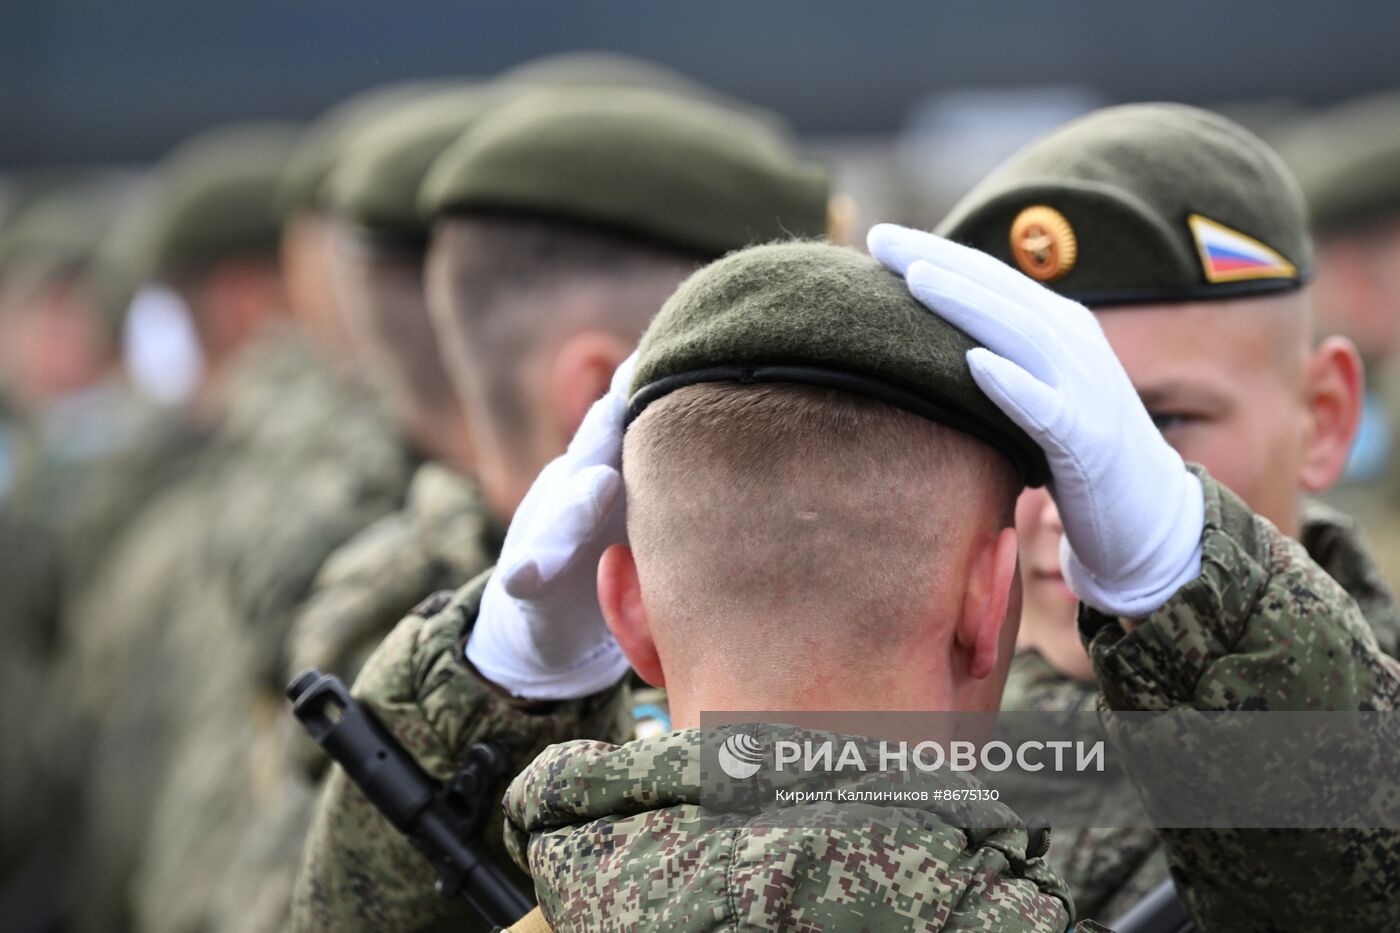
(302, 186)
(120, 267)
(1348, 162)
(213, 199)
(600, 70)
(1143, 203)
(375, 181)
(603, 70)
(824, 315)
(670, 169)
(59, 232)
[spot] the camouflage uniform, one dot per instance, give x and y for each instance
(1213, 646)
(313, 461)
(622, 838)
(127, 685)
(1264, 628)
(357, 871)
(1108, 870)
(443, 537)
(95, 462)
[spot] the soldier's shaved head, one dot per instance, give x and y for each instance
(778, 524)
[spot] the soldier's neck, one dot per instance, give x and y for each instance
(814, 687)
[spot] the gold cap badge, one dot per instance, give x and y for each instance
(1043, 243)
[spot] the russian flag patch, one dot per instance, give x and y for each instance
(1230, 256)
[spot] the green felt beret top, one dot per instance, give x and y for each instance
(818, 314)
(1143, 203)
(303, 185)
(61, 231)
(601, 70)
(666, 168)
(591, 69)
(1348, 161)
(375, 180)
(213, 199)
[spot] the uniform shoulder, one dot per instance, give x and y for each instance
(675, 847)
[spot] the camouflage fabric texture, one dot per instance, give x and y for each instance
(130, 512)
(314, 460)
(610, 835)
(357, 871)
(621, 838)
(1263, 627)
(127, 678)
(442, 538)
(1108, 870)
(320, 462)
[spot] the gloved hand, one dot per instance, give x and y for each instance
(540, 633)
(1133, 514)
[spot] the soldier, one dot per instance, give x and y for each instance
(1346, 160)
(441, 537)
(84, 428)
(307, 228)
(314, 458)
(563, 219)
(1188, 238)
(758, 588)
(60, 364)
(207, 229)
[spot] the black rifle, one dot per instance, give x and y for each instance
(441, 820)
(1161, 911)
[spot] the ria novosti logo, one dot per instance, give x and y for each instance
(740, 756)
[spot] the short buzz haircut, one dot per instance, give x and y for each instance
(512, 279)
(825, 513)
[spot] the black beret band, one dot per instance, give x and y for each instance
(855, 383)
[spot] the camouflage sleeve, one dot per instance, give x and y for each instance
(1261, 628)
(357, 872)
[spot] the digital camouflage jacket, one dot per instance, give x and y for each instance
(613, 840)
(1215, 646)
(357, 871)
(1108, 870)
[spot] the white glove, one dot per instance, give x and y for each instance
(1133, 514)
(540, 633)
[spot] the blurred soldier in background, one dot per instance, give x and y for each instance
(563, 220)
(60, 366)
(439, 538)
(206, 229)
(308, 228)
(312, 458)
(1188, 237)
(1348, 161)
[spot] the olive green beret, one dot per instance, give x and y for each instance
(375, 180)
(824, 315)
(1143, 203)
(59, 232)
(213, 198)
(670, 169)
(119, 268)
(600, 70)
(1348, 162)
(303, 183)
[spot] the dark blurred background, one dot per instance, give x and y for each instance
(94, 80)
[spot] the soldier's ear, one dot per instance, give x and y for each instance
(982, 635)
(579, 374)
(620, 598)
(1333, 395)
